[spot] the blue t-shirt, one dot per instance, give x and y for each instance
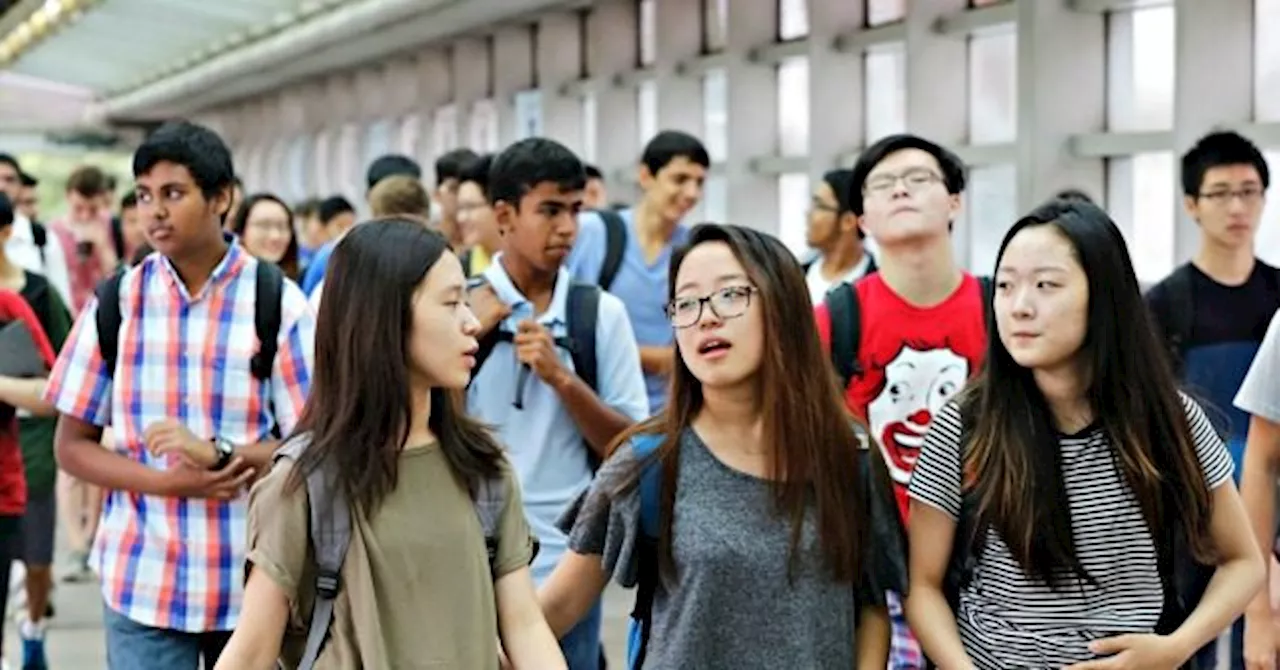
(641, 285)
(316, 268)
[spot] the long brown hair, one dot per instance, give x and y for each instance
(811, 433)
(358, 414)
(1013, 461)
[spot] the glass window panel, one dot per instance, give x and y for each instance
(715, 199)
(1268, 240)
(886, 91)
(793, 19)
(715, 25)
(793, 106)
(409, 141)
(647, 26)
(323, 164)
(1140, 55)
(880, 12)
(1142, 199)
(993, 87)
(589, 127)
(483, 129)
(528, 117)
(647, 111)
(715, 114)
(1266, 52)
(377, 140)
(297, 168)
(793, 208)
(991, 206)
(444, 132)
(349, 168)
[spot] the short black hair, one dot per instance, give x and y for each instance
(669, 145)
(841, 182)
(477, 172)
(1219, 149)
(953, 172)
(307, 208)
(1074, 195)
(593, 172)
(28, 180)
(129, 201)
(6, 211)
(390, 165)
(8, 159)
(529, 162)
(334, 206)
(451, 164)
(193, 146)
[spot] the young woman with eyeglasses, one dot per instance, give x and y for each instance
(1068, 508)
(761, 531)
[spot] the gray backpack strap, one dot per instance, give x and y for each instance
(489, 498)
(330, 535)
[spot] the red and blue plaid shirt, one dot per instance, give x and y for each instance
(178, 563)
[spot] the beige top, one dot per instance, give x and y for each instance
(416, 587)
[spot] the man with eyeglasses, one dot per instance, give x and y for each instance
(921, 333)
(1213, 311)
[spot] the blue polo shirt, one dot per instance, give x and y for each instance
(641, 285)
(542, 440)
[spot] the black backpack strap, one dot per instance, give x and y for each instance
(987, 286)
(846, 331)
(583, 313)
(489, 498)
(615, 246)
(266, 319)
(108, 320)
(1178, 315)
(40, 235)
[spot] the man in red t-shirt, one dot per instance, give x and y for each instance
(13, 483)
(922, 330)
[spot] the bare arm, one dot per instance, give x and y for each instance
(932, 533)
(571, 590)
(873, 638)
(1237, 580)
(598, 422)
(27, 394)
(1261, 468)
(255, 644)
(525, 636)
(657, 360)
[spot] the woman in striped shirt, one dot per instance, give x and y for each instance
(1055, 500)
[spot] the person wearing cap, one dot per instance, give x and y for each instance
(388, 165)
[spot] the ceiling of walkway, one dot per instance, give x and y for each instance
(151, 58)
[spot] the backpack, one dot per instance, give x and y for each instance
(649, 488)
(330, 526)
(1183, 580)
(1180, 317)
(615, 246)
(871, 264)
(266, 319)
(846, 326)
(582, 313)
(40, 235)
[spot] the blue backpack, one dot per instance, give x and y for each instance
(650, 489)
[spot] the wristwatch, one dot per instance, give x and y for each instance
(225, 451)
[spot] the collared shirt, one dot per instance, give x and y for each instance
(543, 442)
(177, 563)
(641, 284)
(23, 252)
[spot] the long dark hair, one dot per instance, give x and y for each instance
(1013, 461)
(358, 414)
(805, 420)
(289, 262)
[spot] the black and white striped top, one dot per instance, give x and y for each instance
(1008, 619)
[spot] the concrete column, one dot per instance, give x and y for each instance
(434, 73)
(611, 49)
(679, 37)
(1213, 59)
(560, 61)
(753, 115)
(1057, 98)
(513, 72)
(937, 74)
(471, 80)
(837, 86)
(402, 87)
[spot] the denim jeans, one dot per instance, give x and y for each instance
(581, 645)
(134, 646)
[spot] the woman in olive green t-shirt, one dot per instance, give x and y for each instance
(417, 586)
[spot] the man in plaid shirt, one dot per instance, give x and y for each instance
(191, 423)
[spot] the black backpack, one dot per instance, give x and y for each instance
(615, 247)
(40, 235)
(846, 326)
(871, 264)
(582, 313)
(266, 319)
(1179, 318)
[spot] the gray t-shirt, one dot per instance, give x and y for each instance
(731, 604)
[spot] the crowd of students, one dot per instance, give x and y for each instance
(881, 461)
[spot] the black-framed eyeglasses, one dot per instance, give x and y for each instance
(914, 178)
(1248, 195)
(726, 303)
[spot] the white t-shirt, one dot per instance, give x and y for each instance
(1259, 395)
(818, 285)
